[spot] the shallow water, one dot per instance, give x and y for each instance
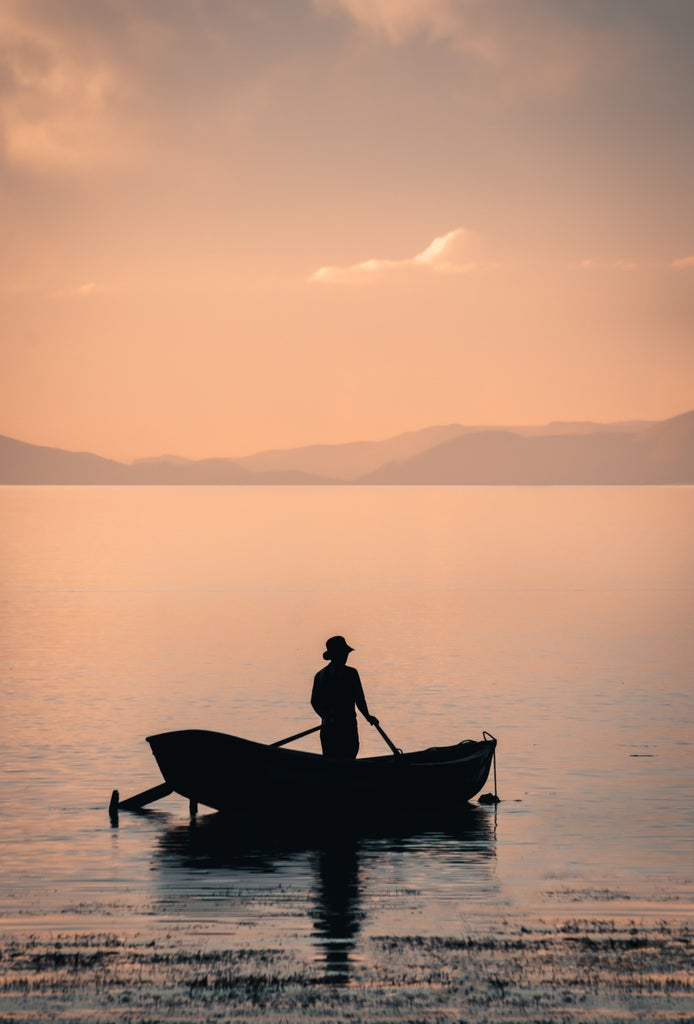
(559, 619)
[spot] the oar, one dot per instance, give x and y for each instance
(134, 803)
(296, 736)
(388, 740)
(307, 732)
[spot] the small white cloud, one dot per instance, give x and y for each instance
(685, 263)
(78, 292)
(450, 253)
(447, 254)
(85, 289)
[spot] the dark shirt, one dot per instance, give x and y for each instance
(337, 690)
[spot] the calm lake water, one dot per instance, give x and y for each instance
(559, 619)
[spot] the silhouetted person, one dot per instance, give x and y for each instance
(337, 692)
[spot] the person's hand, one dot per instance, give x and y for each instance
(373, 720)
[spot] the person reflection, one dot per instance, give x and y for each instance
(337, 691)
(338, 914)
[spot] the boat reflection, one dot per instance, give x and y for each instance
(338, 911)
(333, 875)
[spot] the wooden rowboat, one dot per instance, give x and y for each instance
(238, 776)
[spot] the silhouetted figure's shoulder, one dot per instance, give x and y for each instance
(343, 671)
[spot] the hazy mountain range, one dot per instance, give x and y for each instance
(635, 452)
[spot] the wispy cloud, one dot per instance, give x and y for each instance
(398, 20)
(80, 291)
(61, 89)
(684, 263)
(545, 49)
(447, 254)
(621, 264)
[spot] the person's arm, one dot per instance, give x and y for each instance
(360, 700)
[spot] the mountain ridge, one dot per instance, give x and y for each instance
(580, 452)
(662, 453)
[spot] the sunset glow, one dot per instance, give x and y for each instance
(232, 227)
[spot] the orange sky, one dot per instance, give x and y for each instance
(230, 226)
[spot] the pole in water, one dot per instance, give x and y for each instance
(113, 808)
(490, 798)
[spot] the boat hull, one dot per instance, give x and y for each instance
(237, 776)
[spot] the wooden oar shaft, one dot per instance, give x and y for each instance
(142, 799)
(296, 736)
(387, 739)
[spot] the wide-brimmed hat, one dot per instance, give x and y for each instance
(336, 645)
